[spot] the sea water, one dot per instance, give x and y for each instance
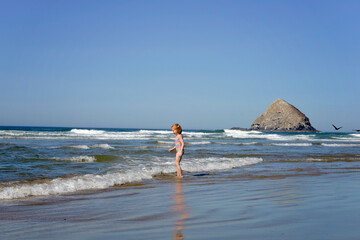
(45, 161)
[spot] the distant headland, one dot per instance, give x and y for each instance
(281, 117)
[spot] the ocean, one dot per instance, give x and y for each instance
(276, 172)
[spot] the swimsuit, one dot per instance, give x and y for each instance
(177, 143)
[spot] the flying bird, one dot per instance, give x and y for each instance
(336, 128)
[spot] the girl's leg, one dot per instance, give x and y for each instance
(177, 163)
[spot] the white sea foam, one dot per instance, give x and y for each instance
(85, 147)
(78, 159)
(80, 146)
(293, 144)
(250, 143)
(8, 134)
(278, 137)
(196, 134)
(340, 145)
(314, 160)
(237, 143)
(243, 134)
(144, 135)
(213, 163)
(104, 146)
(87, 131)
(86, 134)
(91, 181)
(166, 142)
(200, 143)
(346, 139)
(270, 136)
(156, 132)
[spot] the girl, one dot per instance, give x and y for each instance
(179, 146)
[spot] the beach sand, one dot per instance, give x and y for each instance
(255, 202)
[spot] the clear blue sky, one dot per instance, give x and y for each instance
(204, 64)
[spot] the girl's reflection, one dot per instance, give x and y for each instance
(180, 208)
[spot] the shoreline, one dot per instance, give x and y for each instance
(255, 202)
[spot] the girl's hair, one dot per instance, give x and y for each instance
(177, 127)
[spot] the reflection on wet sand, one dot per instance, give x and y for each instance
(180, 209)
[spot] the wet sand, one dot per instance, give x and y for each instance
(265, 201)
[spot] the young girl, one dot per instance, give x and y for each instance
(179, 146)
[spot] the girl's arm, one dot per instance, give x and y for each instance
(172, 149)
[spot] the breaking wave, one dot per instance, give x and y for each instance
(340, 145)
(293, 144)
(269, 136)
(92, 181)
(77, 159)
(87, 131)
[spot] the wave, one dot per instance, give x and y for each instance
(156, 131)
(269, 136)
(77, 159)
(112, 134)
(106, 135)
(17, 190)
(293, 144)
(340, 145)
(78, 147)
(345, 139)
(196, 134)
(240, 143)
(103, 146)
(170, 143)
(199, 143)
(242, 134)
(80, 134)
(213, 163)
(87, 131)
(163, 142)
(349, 158)
(314, 160)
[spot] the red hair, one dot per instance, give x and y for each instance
(177, 128)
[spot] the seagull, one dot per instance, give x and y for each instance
(336, 128)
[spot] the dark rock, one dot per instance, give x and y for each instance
(282, 117)
(239, 128)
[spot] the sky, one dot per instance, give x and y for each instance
(203, 64)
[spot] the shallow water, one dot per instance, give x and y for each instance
(241, 203)
(48, 161)
(111, 183)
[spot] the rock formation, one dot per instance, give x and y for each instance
(282, 117)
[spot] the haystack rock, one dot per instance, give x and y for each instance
(282, 117)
